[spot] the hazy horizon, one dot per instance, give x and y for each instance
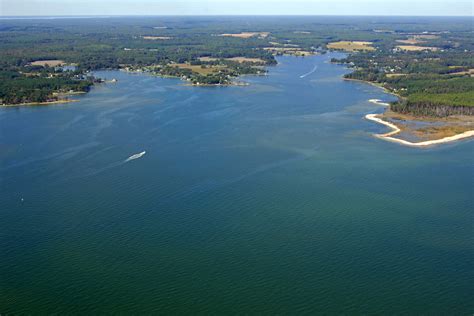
(71, 8)
(219, 15)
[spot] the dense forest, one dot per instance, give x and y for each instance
(41, 86)
(433, 83)
(437, 77)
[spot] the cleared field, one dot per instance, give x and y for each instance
(425, 36)
(247, 59)
(414, 48)
(462, 73)
(395, 75)
(411, 41)
(237, 59)
(206, 59)
(155, 38)
(199, 69)
(50, 62)
(246, 34)
(351, 46)
(418, 39)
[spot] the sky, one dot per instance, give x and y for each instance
(236, 7)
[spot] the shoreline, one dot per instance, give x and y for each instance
(396, 130)
(232, 84)
(38, 103)
(375, 85)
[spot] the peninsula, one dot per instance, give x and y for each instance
(428, 66)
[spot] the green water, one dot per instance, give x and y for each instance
(268, 199)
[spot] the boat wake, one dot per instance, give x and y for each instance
(309, 73)
(135, 156)
(379, 102)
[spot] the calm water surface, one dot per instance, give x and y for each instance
(270, 198)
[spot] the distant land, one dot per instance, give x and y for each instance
(429, 64)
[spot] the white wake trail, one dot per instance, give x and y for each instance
(309, 73)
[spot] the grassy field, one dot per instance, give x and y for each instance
(351, 46)
(154, 38)
(418, 39)
(246, 34)
(50, 63)
(395, 75)
(411, 41)
(199, 69)
(237, 59)
(414, 48)
(463, 73)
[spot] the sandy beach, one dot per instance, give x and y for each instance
(388, 136)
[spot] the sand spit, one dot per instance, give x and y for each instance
(388, 136)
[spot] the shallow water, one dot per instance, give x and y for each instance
(269, 198)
